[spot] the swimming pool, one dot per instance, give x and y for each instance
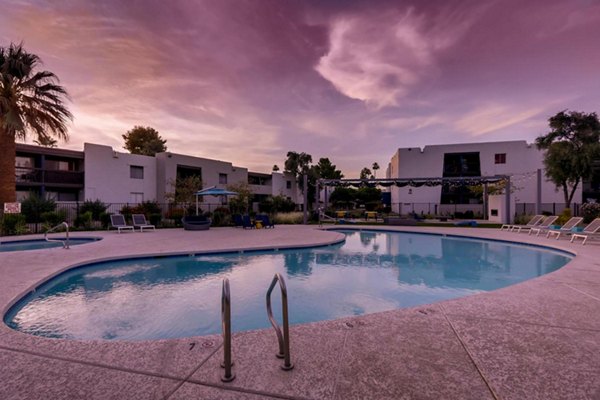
(36, 244)
(179, 296)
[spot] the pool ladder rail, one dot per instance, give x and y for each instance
(65, 242)
(282, 338)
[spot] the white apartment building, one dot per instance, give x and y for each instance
(518, 159)
(118, 177)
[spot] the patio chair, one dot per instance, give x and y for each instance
(543, 226)
(139, 221)
(590, 231)
(117, 221)
(567, 228)
(237, 220)
(532, 222)
(247, 222)
(265, 221)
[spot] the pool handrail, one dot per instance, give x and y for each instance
(65, 243)
(283, 339)
(228, 376)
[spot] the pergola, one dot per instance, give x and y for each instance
(418, 182)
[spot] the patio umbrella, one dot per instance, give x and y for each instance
(213, 191)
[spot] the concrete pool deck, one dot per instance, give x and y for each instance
(539, 339)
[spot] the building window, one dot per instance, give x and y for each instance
(223, 179)
(136, 172)
(500, 158)
(288, 184)
(136, 197)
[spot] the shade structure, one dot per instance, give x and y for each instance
(213, 191)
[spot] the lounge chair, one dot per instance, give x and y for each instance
(265, 221)
(590, 231)
(532, 222)
(139, 221)
(246, 222)
(118, 222)
(237, 220)
(195, 223)
(543, 226)
(567, 228)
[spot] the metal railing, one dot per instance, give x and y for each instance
(64, 242)
(283, 339)
(228, 376)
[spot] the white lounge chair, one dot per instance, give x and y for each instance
(542, 226)
(532, 222)
(590, 231)
(118, 222)
(567, 228)
(139, 221)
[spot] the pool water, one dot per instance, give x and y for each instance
(180, 296)
(36, 244)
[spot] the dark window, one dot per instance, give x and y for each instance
(61, 165)
(223, 179)
(288, 184)
(136, 172)
(500, 158)
(185, 172)
(457, 165)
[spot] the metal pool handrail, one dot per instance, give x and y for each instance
(64, 242)
(283, 339)
(228, 376)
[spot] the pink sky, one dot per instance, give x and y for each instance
(247, 81)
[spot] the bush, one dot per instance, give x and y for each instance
(219, 218)
(84, 220)
(34, 206)
(147, 208)
(590, 211)
(288, 218)
(564, 217)
(105, 220)
(53, 218)
(13, 224)
(155, 219)
(97, 208)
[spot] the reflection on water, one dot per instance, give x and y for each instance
(180, 296)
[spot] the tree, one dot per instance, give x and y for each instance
(275, 168)
(144, 140)
(375, 167)
(31, 102)
(571, 147)
(46, 141)
(365, 173)
(326, 170)
(241, 203)
(298, 164)
(184, 191)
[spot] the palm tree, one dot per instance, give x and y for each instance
(30, 102)
(375, 167)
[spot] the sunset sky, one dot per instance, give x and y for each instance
(247, 81)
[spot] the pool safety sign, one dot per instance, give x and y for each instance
(12, 208)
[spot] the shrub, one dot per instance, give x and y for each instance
(147, 208)
(590, 211)
(97, 208)
(564, 216)
(84, 220)
(53, 218)
(34, 206)
(13, 224)
(220, 219)
(288, 218)
(155, 219)
(105, 220)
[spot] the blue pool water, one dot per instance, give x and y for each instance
(169, 297)
(36, 244)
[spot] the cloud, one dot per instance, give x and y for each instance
(379, 57)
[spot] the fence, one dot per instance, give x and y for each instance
(437, 209)
(546, 208)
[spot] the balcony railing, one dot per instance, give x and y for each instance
(47, 176)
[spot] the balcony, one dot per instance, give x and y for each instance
(38, 176)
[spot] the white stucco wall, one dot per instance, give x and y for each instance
(279, 187)
(107, 175)
(521, 158)
(167, 171)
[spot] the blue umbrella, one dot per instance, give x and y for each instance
(213, 191)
